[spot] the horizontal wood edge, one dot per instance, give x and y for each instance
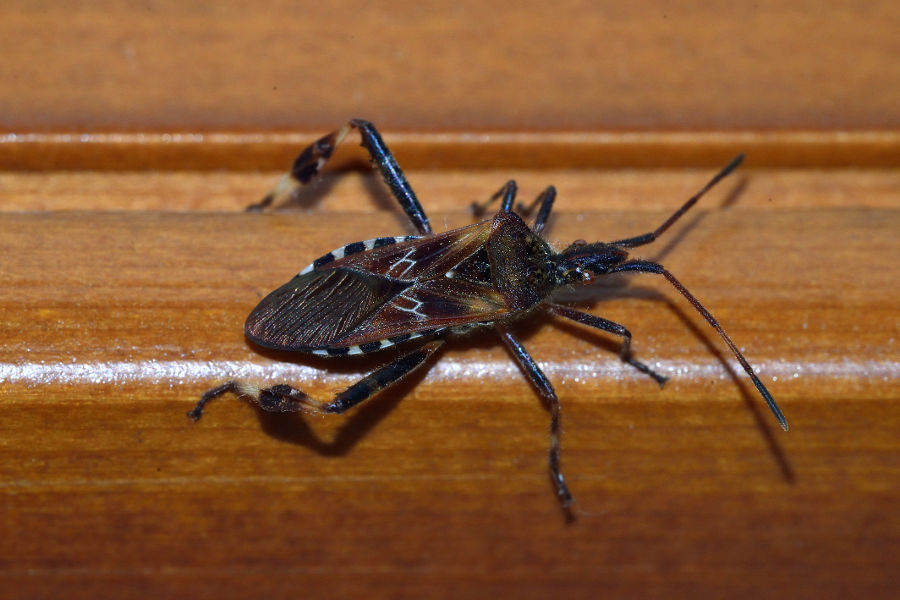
(270, 151)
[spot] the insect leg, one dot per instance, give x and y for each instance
(278, 398)
(507, 192)
(548, 395)
(313, 158)
(645, 266)
(545, 200)
(646, 238)
(610, 327)
(284, 398)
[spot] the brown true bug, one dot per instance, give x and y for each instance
(369, 295)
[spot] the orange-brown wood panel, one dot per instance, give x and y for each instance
(114, 323)
(576, 65)
(135, 136)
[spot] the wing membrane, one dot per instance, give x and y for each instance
(402, 288)
(319, 308)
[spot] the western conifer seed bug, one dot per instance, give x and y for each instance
(367, 296)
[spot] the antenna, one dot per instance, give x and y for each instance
(645, 266)
(649, 237)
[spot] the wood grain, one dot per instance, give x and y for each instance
(114, 322)
(131, 136)
(535, 150)
(578, 65)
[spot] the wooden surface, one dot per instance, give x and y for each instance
(135, 137)
(114, 323)
(578, 65)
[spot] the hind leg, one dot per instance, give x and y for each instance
(313, 158)
(284, 398)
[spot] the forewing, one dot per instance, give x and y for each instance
(431, 304)
(385, 292)
(318, 309)
(419, 259)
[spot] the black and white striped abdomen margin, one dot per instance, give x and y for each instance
(356, 248)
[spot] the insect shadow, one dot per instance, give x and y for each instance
(369, 295)
(296, 428)
(619, 287)
(730, 199)
(308, 197)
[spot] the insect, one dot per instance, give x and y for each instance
(420, 290)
